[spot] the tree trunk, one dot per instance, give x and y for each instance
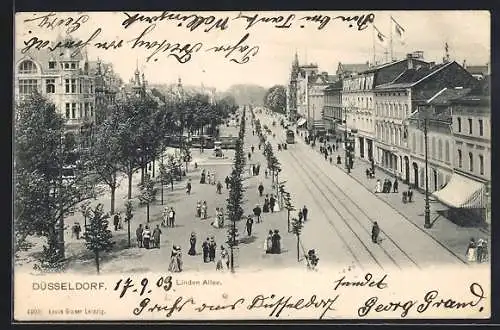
(298, 248)
(96, 252)
(153, 167)
(129, 174)
(161, 192)
(113, 190)
(142, 174)
(147, 212)
(128, 232)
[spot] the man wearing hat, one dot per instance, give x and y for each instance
(249, 225)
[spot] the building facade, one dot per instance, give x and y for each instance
(397, 100)
(64, 79)
(358, 99)
(332, 109)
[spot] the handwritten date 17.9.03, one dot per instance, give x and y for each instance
(164, 282)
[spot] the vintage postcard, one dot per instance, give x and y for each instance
(251, 165)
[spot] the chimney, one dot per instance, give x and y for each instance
(409, 60)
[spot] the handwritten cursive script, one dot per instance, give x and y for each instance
(277, 305)
(242, 52)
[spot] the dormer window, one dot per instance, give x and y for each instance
(27, 67)
(73, 65)
(52, 65)
(66, 66)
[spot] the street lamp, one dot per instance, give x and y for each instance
(427, 212)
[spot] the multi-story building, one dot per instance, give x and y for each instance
(358, 100)
(291, 90)
(107, 86)
(62, 77)
(468, 192)
(346, 70)
(397, 100)
(478, 71)
(435, 116)
(332, 109)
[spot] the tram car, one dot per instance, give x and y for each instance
(290, 136)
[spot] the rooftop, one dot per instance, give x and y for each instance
(411, 77)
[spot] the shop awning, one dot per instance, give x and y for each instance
(301, 122)
(461, 192)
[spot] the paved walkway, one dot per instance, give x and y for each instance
(451, 236)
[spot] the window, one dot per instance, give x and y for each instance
(73, 65)
(66, 66)
(27, 67)
(459, 124)
(91, 110)
(73, 110)
(80, 85)
(52, 64)
(459, 154)
(86, 110)
(433, 148)
(91, 88)
(50, 86)
(406, 110)
(481, 127)
(421, 147)
(481, 164)
(440, 149)
(447, 151)
(70, 85)
(470, 126)
(471, 162)
(413, 142)
(67, 110)
(27, 86)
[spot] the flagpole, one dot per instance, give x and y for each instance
(390, 37)
(373, 39)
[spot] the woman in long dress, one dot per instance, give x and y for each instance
(378, 187)
(215, 223)
(268, 243)
(471, 251)
(174, 262)
(192, 243)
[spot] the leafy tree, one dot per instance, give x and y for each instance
(98, 236)
(43, 197)
(104, 154)
(164, 178)
(275, 99)
(297, 230)
(148, 193)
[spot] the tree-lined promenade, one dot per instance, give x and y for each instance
(134, 134)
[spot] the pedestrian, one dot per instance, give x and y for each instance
(375, 232)
(301, 216)
(198, 209)
(410, 194)
(206, 250)
(268, 242)
(261, 189)
(156, 237)
(272, 202)
(304, 213)
(171, 217)
(249, 156)
(257, 212)
(224, 257)
(395, 185)
(116, 221)
(202, 179)
(470, 253)
(212, 246)
(188, 187)
(215, 223)
(219, 187)
(227, 181)
(204, 210)
(175, 260)
(479, 254)
(265, 173)
(405, 196)
(120, 221)
(192, 243)
(389, 185)
(339, 160)
(326, 155)
(138, 235)
(249, 225)
(146, 237)
(312, 259)
(378, 186)
(253, 148)
(276, 242)
(331, 160)
(76, 230)
(484, 246)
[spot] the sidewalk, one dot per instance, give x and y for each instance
(449, 235)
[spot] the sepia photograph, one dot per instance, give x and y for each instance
(251, 165)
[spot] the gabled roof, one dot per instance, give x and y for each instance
(411, 77)
(360, 67)
(444, 96)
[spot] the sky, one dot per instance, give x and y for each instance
(269, 50)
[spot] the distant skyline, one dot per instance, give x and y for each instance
(467, 34)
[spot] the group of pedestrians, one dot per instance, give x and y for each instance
(207, 177)
(477, 251)
(201, 209)
(168, 217)
(303, 214)
(387, 186)
(147, 239)
(272, 243)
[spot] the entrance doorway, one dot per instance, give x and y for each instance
(415, 175)
(435, 178)
(361, 147)
(407, 170)
(370, 149)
